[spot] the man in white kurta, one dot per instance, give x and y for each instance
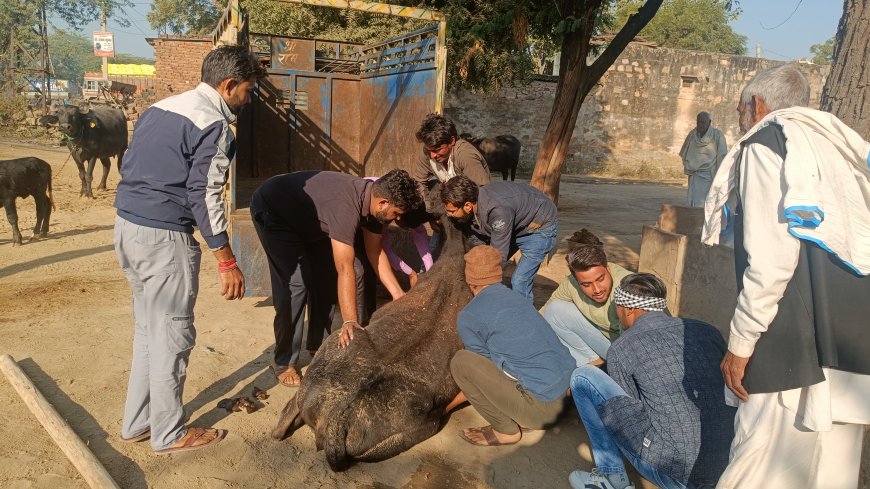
(702, 152)
(796, 188)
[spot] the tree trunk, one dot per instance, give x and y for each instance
(576, 79)
(845, 95)
(846, 90)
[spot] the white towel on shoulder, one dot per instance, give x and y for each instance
(827, 179)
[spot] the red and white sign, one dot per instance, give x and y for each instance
(104, 44)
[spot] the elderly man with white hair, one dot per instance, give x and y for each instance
(702, 152)
(796, 191)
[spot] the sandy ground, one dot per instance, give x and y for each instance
(65, 315)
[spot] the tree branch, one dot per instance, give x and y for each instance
(635, 23)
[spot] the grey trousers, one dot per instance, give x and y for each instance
(499, 399)
(162, 268)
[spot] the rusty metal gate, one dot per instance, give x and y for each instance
(329, 105)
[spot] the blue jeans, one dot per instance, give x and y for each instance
(585, 342)
(534, 247)
(590, 387)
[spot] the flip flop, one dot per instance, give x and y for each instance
(282, 373)
(488, 435)
(196, 434)
(140, 437)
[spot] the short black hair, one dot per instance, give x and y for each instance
(234, 62)
(400, 189)
(644, 285)
(587, 254)
(459, 190)
(436, 130)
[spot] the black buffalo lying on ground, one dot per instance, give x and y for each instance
(24, 177)
(502, 153)
(92, 133)
(387, 390)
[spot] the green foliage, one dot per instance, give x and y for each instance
(823, 53)
(184, 16)
(699, 25)
(72, 55)
(271, 17)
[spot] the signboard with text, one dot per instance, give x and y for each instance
(104, 44)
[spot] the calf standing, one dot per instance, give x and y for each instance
(92, 133)
(20, 178)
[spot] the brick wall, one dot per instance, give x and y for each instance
(178, 60)
(637, 116)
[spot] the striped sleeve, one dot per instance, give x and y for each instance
(211, 158)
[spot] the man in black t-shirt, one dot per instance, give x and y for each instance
(307, 223)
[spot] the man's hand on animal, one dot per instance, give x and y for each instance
(733, 369)
(345, 336)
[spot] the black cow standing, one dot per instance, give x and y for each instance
(23, 177)
(92, 133)
(502, 153)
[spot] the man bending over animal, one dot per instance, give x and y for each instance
(513, 370)
(307, 222)
(171, 181)
(444, 155)
(581, 310)
(509, 216)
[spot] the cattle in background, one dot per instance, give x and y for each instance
(502, 153)
(92, 133)
(23, 177)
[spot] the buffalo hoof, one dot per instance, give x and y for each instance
(101, 187)
(16, 243)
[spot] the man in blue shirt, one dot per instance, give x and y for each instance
(513, 370)
(663, 405)
(172, 181)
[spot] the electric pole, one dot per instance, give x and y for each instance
(105, 58)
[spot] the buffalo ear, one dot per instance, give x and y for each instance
(48, 119)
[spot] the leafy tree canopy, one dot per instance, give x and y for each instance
(73, 54)
(699, 25)
(184, 16)
(823, 53)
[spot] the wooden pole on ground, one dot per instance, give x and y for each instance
(76, 451)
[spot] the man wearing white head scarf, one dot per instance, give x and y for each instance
(796, 191)
(662, 406)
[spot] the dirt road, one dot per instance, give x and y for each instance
(65, 315)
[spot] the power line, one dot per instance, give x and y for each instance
(784, 21)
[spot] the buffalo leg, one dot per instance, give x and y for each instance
(291, 419)
(89, 177)
(513, 172)
(107, 163)
(82, 174)
(12, 216)
(504, 174)
(43, 214)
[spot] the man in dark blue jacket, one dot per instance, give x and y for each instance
(172, 181)
(508, 216)
(514, 370)
(663, 404)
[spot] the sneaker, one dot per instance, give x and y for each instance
(595, 480)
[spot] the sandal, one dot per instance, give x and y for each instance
(140, 437)
(488, 435)
(287, 375)
(191, 439)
